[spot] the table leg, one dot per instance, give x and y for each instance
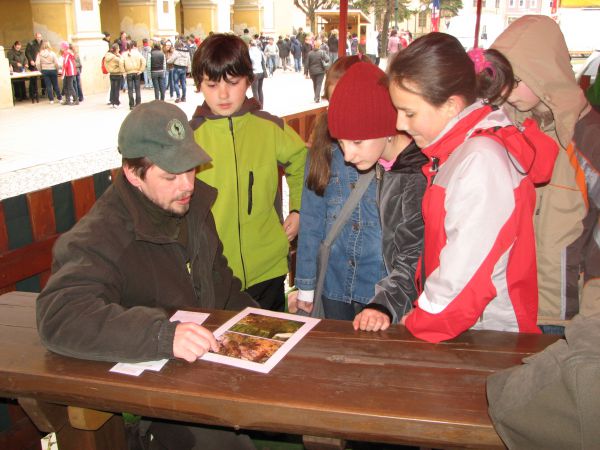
(50, 417)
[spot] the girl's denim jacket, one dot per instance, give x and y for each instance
(356, 261)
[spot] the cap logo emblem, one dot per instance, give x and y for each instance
(176, 130)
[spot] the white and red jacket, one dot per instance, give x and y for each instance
(69, 68)
(479, 252)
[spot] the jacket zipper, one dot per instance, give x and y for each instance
(237, 187)
(250, 184)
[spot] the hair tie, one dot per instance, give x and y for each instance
(477, 55)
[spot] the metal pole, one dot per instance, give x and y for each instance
(477, 24)
(343, 28)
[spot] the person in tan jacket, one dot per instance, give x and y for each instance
(112, 62)
(46, 62)
(566, 214)
(133, 65)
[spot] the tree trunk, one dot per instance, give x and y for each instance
(386, 28)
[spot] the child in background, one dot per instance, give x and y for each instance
(356, 261)
(478, 269)
(363, 120)
(566, 218)
(69, 70)
(246, 146)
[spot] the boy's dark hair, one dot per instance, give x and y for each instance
(131, 44)
(221, 56)
(156, 45)
(145, 41)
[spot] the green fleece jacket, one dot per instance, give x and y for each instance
(246, 150)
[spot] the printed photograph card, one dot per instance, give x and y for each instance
(257, 339)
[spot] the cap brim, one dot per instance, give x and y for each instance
(187, 157)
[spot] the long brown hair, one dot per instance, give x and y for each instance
(319, 166)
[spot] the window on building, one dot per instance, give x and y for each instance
(521, 3)
(533, 4)
(497, 4)
(511, 3)
(422, 19)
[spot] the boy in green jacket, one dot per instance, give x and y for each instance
(246, 146)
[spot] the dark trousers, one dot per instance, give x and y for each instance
(69, 89)
(78, 90)
(115, 86)
(338, 310)
(51, 82)
(133, 83)
(257, 87)
(317, 80)
(19, 89)
(269, 294)
(33, 88)
(158, 81)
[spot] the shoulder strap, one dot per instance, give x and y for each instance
(364, 180)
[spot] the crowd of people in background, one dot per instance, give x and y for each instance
(164, 65)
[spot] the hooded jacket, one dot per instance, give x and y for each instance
(120, 272)
(246, 149)
(566, 218)
(478, 266)
(46, 60)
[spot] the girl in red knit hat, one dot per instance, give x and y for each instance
(478, 268)
(355, 263)
(362, 118)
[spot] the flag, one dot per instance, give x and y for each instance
(435, 15)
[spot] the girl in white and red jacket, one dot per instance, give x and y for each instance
(69, 71)
(478, 266)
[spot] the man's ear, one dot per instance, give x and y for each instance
(131, 176)
(454, 105)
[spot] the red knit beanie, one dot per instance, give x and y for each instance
(360, 107)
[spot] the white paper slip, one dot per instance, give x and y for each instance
(127, 369)
(189, 316)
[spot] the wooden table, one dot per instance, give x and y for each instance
(337, 383)
(31, 74)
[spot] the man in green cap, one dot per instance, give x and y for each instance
(147, 248)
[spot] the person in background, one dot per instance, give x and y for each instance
(147, 246)
(283, 45)
(333, 44)
(145, 51)
(272, 53)
(69, 70)
(31, 51)
(79, 67)
(567, 219)
(112, 61)
(168, 50)
(296, 51)
(355, 262)
(106, 38)
(478, 268)
(246, 37)
(180, 59)
(307, 46)
(133, 65)
(247, 145)
(123, 41)
(17, 61)
(317, 62)
(158, 67)
(354, 44)
(394, 45)
(258, 69)
(47, 62)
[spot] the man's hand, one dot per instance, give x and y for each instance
(371, 320)
(191, 341)
(291, 225)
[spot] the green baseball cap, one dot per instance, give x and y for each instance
(160, 132)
